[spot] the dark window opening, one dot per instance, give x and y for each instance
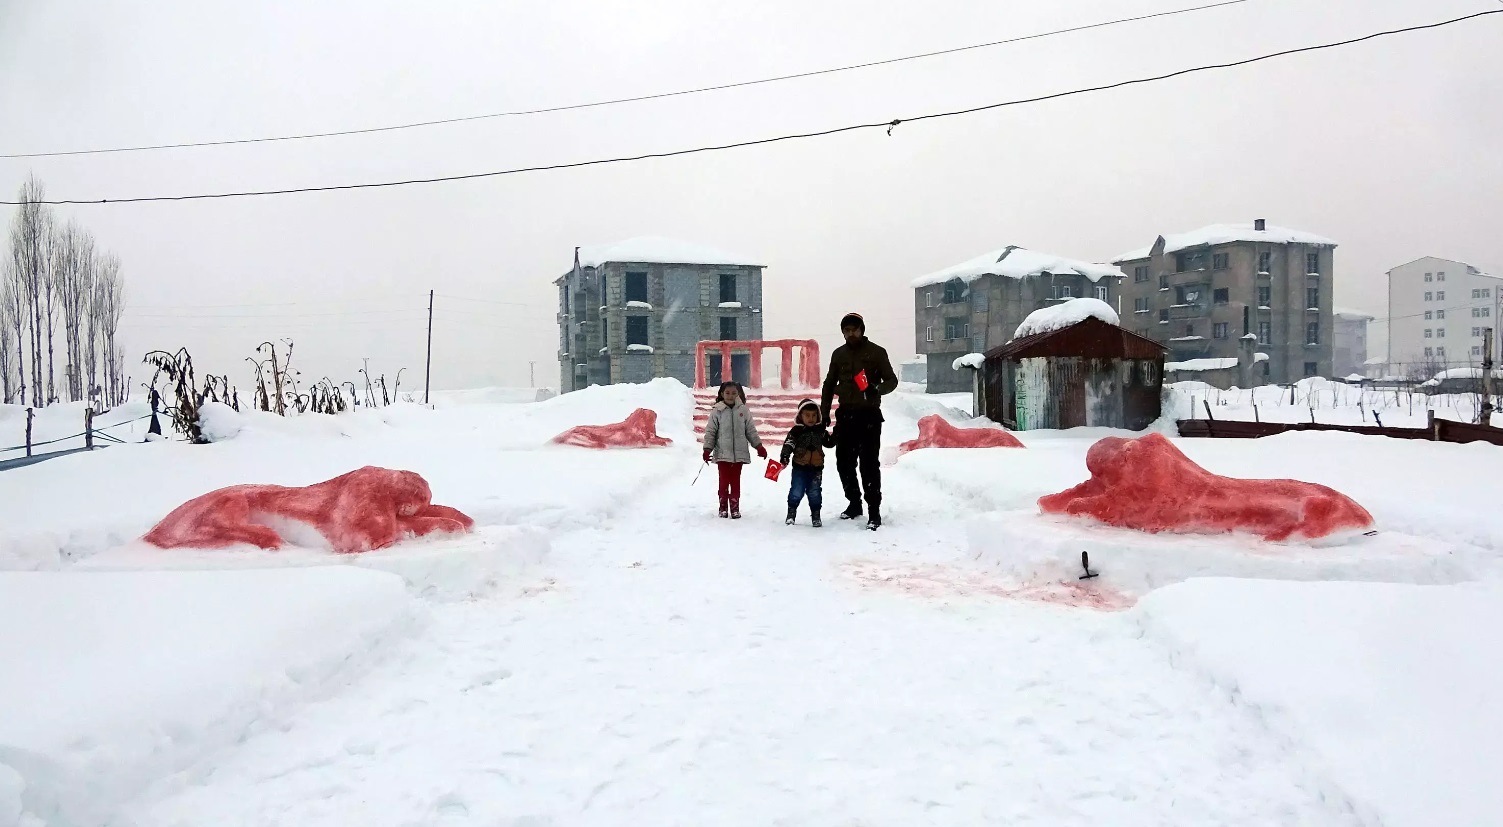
(1265, 333)
(1219, 330)
(1312, 265)
(636, 288)
(1140, 274)
(1310, 368)
(1190, 261)
(728, 287)
(954, 291)
(1312, 297)
(956, 329)
(1222, 295)
(1163, 314)
(1163, 282)
(1220, 261)
(728, 328)
(1265, 261)
(1265, 296)
(1312, 334)
(636, 330)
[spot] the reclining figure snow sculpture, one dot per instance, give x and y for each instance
(1149, 485)
(366, 509)
(935, 432)
(640, 430)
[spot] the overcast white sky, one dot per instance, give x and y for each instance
(1391, 148)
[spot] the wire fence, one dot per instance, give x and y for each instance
(98, 432)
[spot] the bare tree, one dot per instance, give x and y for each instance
(10, 322)
(108, 306)
(51, 253)
(74, 277)
(28, 255)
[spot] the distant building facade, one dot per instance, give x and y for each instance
(1437, 310)
(635, 310)
(1200, 292)
(976, 305)
(1349, 342)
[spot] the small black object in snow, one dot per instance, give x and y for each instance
(1085, 563)
(1370, 533)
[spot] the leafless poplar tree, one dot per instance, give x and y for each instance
(106, 307)
(74, 277)
(10, 334)
(28, 255)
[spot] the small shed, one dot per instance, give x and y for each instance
(1087, 373)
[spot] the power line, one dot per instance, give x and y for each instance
(888, 125)
(253, 316)
(635, 99)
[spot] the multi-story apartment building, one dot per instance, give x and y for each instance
(1200, 292)
(635, 310)
(1349, 341)
(1437, 310)
(978, 304)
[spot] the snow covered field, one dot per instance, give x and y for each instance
(602, 650)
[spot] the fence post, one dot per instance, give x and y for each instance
(1485, 415)
(29, 414)
(1432, 425)
(88, 428)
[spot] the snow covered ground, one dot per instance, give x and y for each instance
(602, 650)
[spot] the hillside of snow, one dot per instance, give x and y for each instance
(603, 650)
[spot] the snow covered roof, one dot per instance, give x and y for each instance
(1017, 262)
(1462, 373)
(1202, 364)
(1064, 314)
(1226, 234)
(654, 250)
(1376, 360)
(1355, 377)
(1348, 313)
(970, 360)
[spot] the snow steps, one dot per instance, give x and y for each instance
(772, 411)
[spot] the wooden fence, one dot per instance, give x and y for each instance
(1436, 430)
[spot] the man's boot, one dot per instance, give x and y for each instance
(735, 509)
(724, 507)
(852, 512)
(792, 515)
(874, 522)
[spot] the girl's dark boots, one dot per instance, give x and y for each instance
(724, 507)
(792, 515)
(735, 509)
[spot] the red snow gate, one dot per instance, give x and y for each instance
(366, 509)
(935, 432)
(640, 430)
(1149, 485)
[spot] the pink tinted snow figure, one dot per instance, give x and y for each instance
(935, 432)
(1149, 485)
(640, 430)
(366, 509)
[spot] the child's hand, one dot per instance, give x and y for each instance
(761, 452)
(707, 456)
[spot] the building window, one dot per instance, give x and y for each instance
(636, 330)
(1476, 294)
(978, 343)
(1440, 295)
(1476, 350)
(1486, 311)
(1265, 261)
(1265, 367)
(1440, 333)
(1100, 293)
(1220, 261)
(1476, 331)
(1140, 305)
(1429, 297)
(1190, 261)
(1440, 314)
(954, 291)
(1312, 297)
(1429, 351)
(1312, 333)
(1312, 263)
(1428, 314)
(1163, 314)
(1487, 292)
(929, 333)
(566, 300)
(1429, 276)
(1163, 282)
(1065, 291)
(727, 328)
(1140, 273)
(956, 328)
(605, 332)
(1189, 328)
(1441, 276)
(1218, 330)
(928, 298)
(1440, 351)
(1265, 333)
(728, 287)
(1221, 295)
(980, 301)
(636, 289)
(1265, 296)
(1429, 333)
(1310, 368)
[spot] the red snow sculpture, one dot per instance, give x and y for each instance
(935, 432)
(366, 509)
(1149, 485)
(640, 430)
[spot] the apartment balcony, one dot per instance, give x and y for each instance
(1199, 310)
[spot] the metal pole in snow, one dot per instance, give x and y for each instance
(428, 364)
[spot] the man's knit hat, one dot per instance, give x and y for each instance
(853, 320)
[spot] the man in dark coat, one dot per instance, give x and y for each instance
(860, 375)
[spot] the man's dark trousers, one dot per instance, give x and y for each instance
(858, 438)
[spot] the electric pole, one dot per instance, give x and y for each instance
(428, 363)
(1485, 413)
(531, 375)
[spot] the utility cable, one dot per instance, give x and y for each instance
(888, 125)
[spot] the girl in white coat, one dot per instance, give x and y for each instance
(730, 438)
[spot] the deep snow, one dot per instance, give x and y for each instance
(604, 651)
